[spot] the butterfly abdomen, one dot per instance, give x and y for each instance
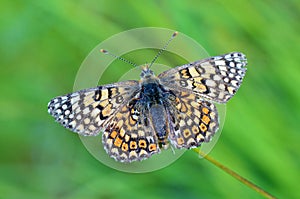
(158, 118)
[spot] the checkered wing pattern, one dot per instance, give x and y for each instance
(129, 136)
(89, 111)
(216, 79)
(192, 120)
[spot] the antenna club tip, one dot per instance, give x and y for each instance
(175, 34)
(103, 51)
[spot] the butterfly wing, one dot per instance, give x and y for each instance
(88, 111)
(129, 136)
(192, 120)
(216, 78)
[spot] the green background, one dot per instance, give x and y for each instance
(42, 46)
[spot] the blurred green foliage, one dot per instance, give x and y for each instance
(42, 46)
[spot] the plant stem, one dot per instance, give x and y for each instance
(234, 174)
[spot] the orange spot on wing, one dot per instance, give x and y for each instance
(133, 145)
(203, 127)
(118, 142)
(152, 147)
(114, 134)
(205, 110)
(142, 144)
(205, 119)
(125, 147)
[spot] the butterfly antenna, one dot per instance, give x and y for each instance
(118, 57)
(164, 48)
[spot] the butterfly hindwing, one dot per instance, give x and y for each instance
(129, 136)
(192, 120)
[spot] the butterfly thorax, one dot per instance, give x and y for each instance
(151, 91)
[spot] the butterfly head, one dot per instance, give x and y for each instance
(146, 72)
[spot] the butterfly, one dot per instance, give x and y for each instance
(139, 118)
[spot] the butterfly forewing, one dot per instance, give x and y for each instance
(216, 78)
(88, 111)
